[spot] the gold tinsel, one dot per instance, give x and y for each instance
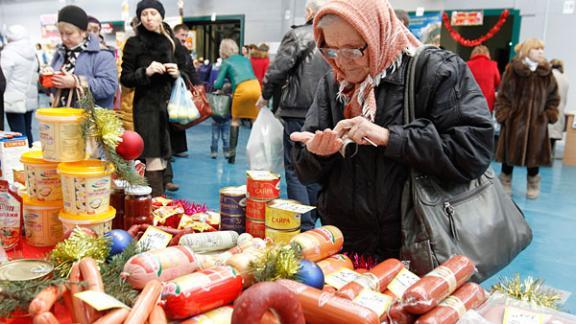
(80, 244)
(277, 262)
(530, 290)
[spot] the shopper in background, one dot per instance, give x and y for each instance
(297, 67)
(485, 72)
(260, 61)
(83, 61)
(20, 67)
(127, 94)
(556, 130)
(152, 60)
(245, 88)
(451, 137)
(41, 55)
(2, 89)
(221, 129)
(527, 102)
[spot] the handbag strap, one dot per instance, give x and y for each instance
(409, 89)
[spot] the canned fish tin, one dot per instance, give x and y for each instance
(280, 236)
(256, 209)
(25, 269)
(256, 228)
(263, 185)
(233, 200)
(235, 223)
(277, 217)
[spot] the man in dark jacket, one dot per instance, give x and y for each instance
(297, 68)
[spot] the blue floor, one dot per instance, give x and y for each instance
(551, 256)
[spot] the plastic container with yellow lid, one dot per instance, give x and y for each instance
(61, 133)
(86, 186)
(43, 228)
(100, 223)
(42, 179)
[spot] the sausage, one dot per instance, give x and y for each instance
(253, 303)
(398, 315)
(161, 264)
(91, 274)
(335, 263)
(116, 316)
(201, 291)
(451, 309)
(79, 309)
(45, 299)
(376, 279)
(158, 316)
(67, 297)
(321, 307)
(403, 280)
(45, 318)
(241, 263)
(319, 243)
(224, 315)
(145, 303)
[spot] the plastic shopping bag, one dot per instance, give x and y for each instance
(181, 107)
(265, 145)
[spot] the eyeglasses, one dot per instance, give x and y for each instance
(347, 53)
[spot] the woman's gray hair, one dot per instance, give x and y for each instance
(328, 19)
(228, 47)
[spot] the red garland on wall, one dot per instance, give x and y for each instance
(478, 41)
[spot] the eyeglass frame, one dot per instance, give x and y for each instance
(325, 51)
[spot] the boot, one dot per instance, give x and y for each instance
(234, 130)
(156, 182)
(533, 187)
(506, 180)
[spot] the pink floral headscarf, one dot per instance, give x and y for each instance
(387, 40)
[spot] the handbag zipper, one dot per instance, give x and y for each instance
(449, 210)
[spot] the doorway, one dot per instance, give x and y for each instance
(209, 31)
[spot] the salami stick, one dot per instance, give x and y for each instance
(450, 310)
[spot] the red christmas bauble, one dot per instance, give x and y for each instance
(131, 146)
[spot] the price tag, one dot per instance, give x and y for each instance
(154, 238)
(375, 301)
(99, 300)
(513, 315)
(341, 278)
(402, 281)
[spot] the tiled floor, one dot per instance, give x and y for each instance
(551, 256)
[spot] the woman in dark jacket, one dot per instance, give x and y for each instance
(527, 102)
(152, 60)
(451, 137)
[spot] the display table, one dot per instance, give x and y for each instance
(570, 146)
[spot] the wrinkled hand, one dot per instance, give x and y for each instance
(360, 130)
(322, 143)
(172, 69)
(155, 67)
(261, 103)
(63, 81)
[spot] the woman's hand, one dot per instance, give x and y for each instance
(63, 81)
(322, 143)
(172, 69)
(362, 131)
(155, 67)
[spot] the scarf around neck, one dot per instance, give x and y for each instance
(387, 38)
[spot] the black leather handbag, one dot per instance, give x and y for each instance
(440, 220)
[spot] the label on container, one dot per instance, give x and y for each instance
(280, 237)
(278, 218)
(403, 280)
(256, 209)
(43, 228)
(456, 304)
(99, 300)
(43, 183)
(212, 241)
(62, 141)
(86, 195)
(375, 301)
(199, 280)
(154, 238)
(513, 315)
(290, 206)
(445, 274)
(341, 278)
(10, 217)
(255, 228)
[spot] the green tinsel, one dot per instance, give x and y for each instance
(277, 262)
(79, 245)
(530, 290)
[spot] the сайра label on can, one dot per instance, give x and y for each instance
(263, 185)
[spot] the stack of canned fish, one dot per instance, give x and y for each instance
(263, 187)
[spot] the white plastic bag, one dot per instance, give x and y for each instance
(265, 145)
(181, 107)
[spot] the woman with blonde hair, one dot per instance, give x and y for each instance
(527, 102)
(245, 89)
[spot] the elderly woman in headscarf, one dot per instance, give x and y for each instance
(362, 101)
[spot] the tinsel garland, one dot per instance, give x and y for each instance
(530, 290)
(277, 262)
(478, 41)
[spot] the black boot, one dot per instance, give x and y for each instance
(156, 182)
(234, 130)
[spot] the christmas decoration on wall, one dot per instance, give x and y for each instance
(478, 41)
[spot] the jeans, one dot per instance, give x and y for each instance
(21, 123)
(220, 129)
(305, 194)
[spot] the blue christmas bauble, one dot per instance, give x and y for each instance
(310, 274)
(120, 239)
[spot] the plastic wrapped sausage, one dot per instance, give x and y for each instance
(438, 284)
(162, 264)
(335, 263)
(376, 279)
(451, 309)
(399, 315)
(321, 307)
(319, 243)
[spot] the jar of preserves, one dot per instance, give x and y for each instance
(137, 206)
(117, 201)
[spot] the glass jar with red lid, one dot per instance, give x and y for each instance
(137, 206)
